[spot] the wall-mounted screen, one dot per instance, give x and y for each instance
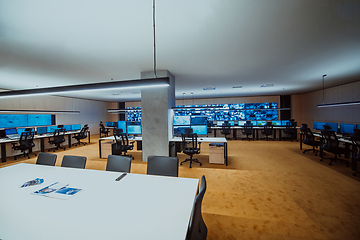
(13, 120)
(134, 129)
(181, 120)
(39, 120)
(200, 129)
(198, 120)
(10, 131)
(76, 127)
(41, 130)
(347, 128)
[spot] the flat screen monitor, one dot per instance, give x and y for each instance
(41, 130)
(76, 127)
(347, 128)
(231, 123)
(254, 123)
(276, 123)
(261, 123)
(2, 133)
(241, 123)
(21, 130)
(333, 126)
(220, 123)
(10, 131)
(67, 127)
(109, 124)
(200, 129)
(319, 125)
(198, 120)
(134, 129)
(181, 120)
(122, 126)
(285, 122)
(179, 130)
(13, 120)
(51, 129)
(39, 120)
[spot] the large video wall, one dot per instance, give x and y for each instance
(220, 112)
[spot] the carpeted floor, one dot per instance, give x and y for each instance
(270, 190)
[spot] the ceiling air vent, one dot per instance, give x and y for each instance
(209, 88)
(237, 87)
(267, 85)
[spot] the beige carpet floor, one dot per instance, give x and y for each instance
(270, 190)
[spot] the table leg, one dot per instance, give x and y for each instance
(214, 132)
(226, 153)
(3, 152)
(69, 140)
(100, 148)
(42, 144)
(301, 139)
(353, 160)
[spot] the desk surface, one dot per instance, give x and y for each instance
(47, 135)
(136, 207)
(177, 139)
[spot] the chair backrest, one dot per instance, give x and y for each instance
(225, 128)
(189, 142)
(248, 129)
(59, 135)
(73, 161)
(356, 144)
(162, 165)
(268, 129)
(121, 139)
(46, 159)
(22, 140)
(102, 126)
(30, 139)
(118, 163)
(197, 228)
(83, 131)
(330, 139)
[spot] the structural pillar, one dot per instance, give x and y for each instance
(156, 108)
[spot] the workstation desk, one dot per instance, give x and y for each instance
(255, 134)
(349, 147)
(41, 137)
(173, 144)
(136, 207)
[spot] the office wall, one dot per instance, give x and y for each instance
(305, 108)
(91, 112)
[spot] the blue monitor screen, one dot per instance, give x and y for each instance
(179, 130)
(39, 120)
(241, 123)
(276, 123)
(13, 120)
(231, 123)
(134, 129)
(319, 125)
(51, 129)
(109, 124)
(220, 123)
(10, 131)
(20, 130)
(261, 123)
(41, 130)
(333, 126)
(122, 125)
(285, 122)
(67, 127)
(76, 127)
(254, 123)
(347, 128)
(196, 120)
(200, 129)
(181, 120)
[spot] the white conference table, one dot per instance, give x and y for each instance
(136, 207)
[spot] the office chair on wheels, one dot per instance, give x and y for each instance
(190, 147)
(25, 143)
(268, 130)
(355, 138)
(225, 128)
(331, 144)
(310, 140)
(57, 139)
(291, 130)
(248, 130)
(122, 144)
(81, 135)
(103, 130)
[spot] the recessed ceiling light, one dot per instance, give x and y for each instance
(209, 88)
(267, 85)
(237, 87)
(115, 94)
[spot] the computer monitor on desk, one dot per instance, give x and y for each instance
(10, 131)
(241, 123)
(134, 129)
(181, 120)
(199, 129)
(347, 129)
(67, 128)
(261, 123)
(276, 123)
(220, 123)
(41, 130)
(76, 127)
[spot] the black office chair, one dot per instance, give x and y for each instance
(310, 140)
(197, 229)
(355, 138)
(122, 144)
(81, 135)
(73, 161)
(118, 163)
(331, 144)
(291, 130)
(26, 142)
(225, 128)
(57, 139)
(209, 130)
(46, 159)
(190, 147)
(248, 130)
(103, 130)
(163, 166)
(268, 130)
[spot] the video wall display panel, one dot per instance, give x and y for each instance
(25, 120)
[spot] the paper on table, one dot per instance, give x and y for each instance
(58, 190)
(34, 182)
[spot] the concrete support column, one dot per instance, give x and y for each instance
(156, 107)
